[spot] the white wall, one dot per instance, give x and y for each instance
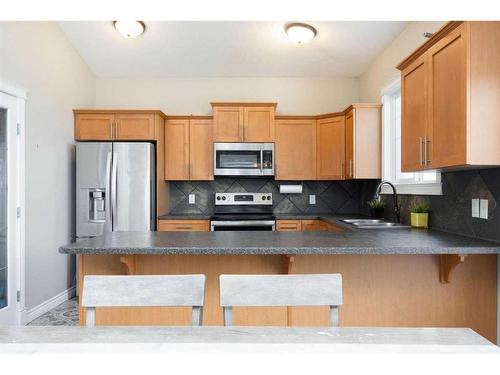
(383, 69)
(37, 56)
(193, 96)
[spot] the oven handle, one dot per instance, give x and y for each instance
(242, 223)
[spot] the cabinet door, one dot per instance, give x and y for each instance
(295, 150)
(177, 150)
(200, 150)
(258, 124)
(349, 145)
(447, 98)
(414, 116)
(228, 124)
(331, 148)
(183, 226)
(288, 225)
(94, 127)
(135, 127)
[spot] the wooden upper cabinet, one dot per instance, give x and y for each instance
(228, 124)
(243, 122)
(94, 126)
(295, 149)
(349, 144)
(414, 114)
(177, 149)
(363, 133)
(258, 124)
(130, 126)
(330, 148)
(450, 91)
(188, 149)
(201, 150)
(120, 125)
(446, 141)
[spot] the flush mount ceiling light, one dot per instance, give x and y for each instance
(129, 29)
(300, 32)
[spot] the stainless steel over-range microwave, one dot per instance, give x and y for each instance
(244, 159)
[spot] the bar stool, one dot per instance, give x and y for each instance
(143, 290)
(281, 290)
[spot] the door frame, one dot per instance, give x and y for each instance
(21, 96)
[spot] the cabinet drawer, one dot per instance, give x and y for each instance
(289, 225)
(314, 225)
(183, 225)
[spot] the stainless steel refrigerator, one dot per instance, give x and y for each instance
(115, 187)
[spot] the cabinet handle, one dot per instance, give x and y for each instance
(111, 129)
(342, 169)
(350, 168)
(426, 151)
(283, 227)
(184, 227)
(421, 148)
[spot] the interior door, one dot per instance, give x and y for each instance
(133, 186)
(9, 201)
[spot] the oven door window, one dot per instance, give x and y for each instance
(238, 159)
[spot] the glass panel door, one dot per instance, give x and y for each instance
(3, 208)
(9, 201)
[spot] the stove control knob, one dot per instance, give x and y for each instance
(223, 198)
(268, 197)
(218, 198)
(263, 197)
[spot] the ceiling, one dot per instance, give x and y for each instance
(230, 49)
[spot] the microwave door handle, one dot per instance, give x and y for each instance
(261, 161)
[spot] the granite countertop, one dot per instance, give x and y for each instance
(348, 241)
(32, 339)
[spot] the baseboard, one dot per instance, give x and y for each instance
(31, 314)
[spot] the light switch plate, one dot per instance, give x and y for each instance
(475, 207)
(483, 208)
(192, 198)
(312, 199)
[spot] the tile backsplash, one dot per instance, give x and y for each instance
(452, 211)
(331, 196)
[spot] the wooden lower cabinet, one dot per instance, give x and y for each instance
(183, 225)
(289, 225)
(314, 225)
(379, 290)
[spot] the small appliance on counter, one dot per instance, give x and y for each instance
(243, 212)
(244, 159)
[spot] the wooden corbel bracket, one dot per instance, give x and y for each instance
(447, 263)
(130, 262)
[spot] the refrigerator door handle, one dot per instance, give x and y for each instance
(113, 189)
(107, 197)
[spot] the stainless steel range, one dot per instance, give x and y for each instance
(243, 211)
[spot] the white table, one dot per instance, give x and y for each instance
(59, 339)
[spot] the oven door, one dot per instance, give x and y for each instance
(243, 225)
(244, 159)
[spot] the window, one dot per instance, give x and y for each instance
(422, 183)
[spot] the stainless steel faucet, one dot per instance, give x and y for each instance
(395, 195)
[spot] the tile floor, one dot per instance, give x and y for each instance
(66, 314)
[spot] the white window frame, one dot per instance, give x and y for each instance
(405, 183)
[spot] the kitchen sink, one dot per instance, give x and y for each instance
(374, 224)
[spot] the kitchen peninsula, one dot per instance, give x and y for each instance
(403, 277)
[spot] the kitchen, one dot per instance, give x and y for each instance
(283, 175)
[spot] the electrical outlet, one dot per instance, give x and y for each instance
(192, 198)
(475, 207)
(312, 199)
(483, 208)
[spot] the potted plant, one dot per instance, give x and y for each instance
(419, 214)
(376, 208)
